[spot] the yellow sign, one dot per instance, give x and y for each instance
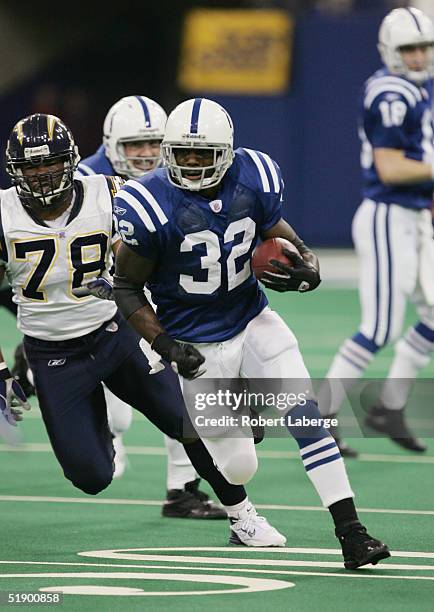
(236, 51)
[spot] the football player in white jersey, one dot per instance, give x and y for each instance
(392, 228)
(133, 131)
(56, 233)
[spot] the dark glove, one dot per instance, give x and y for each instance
(21, 371)
(11, 396)
(301, 277)
(185, 359)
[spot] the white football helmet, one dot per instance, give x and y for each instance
(404, 27)
(201, 124)
(132, 118)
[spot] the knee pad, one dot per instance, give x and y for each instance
(239, 468)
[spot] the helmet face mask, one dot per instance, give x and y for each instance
(41, 158)
(402, 30)
(205, 175)
(134, 119)
(135, 166)
(198, 125)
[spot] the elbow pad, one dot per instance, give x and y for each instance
(129, 297)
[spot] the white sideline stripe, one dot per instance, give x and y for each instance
(258, 163)
(131, 200)
(150, 199)
(43, 447)
(156, 502)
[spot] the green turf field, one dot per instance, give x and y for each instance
(109, 552)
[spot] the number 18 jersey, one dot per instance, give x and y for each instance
(396, 114)
(45, 263)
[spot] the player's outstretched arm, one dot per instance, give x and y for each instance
(12, 397)
(303, 275)
(132, 272)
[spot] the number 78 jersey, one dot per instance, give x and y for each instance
(44, 264)
(203, 285)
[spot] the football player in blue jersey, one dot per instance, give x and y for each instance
(132, 135)
(189, 231)
(392, 228)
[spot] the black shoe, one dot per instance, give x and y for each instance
(191, 503)
(344, 449)
(358, 547)
(20, 369)
(392, 423)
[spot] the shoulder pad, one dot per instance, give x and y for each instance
(393, 87)
(260, 169)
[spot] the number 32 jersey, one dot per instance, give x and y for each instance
(203, 285)
(44, 263)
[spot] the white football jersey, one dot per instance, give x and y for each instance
(44, 263)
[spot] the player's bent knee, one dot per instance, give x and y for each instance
(90, 482)
(240, 468)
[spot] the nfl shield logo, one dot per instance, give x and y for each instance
(216, 205)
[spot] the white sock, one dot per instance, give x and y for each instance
(238, 509)
(412, 354)
(326, 470)
(179, 467)
(348, 365)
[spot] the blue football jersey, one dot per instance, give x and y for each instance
(97, 163)
(396, 114)
(203, 284)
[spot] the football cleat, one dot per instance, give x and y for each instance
(345, 450)
(250, 529)
(121, 459)
(392, 423)
(191, 503)
(358, 547)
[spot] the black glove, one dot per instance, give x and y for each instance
(185, 359)
(20, 371)
(302, 277)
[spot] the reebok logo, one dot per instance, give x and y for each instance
(119, 210)
(56, 362)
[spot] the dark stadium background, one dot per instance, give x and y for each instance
(76, 59)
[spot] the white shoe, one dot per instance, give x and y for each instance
(121, 459)
(250, 529)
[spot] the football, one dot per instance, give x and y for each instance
(270, 249)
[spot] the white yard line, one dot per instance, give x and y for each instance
(43, 447)
(154, 502)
